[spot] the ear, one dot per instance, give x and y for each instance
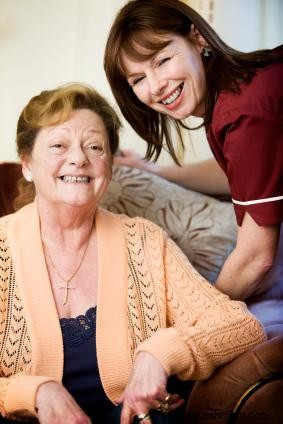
(26, 168)
(197, 39)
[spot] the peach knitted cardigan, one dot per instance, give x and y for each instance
(146, 285)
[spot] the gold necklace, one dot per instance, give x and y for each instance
(66, 280)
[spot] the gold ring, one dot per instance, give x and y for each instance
(144, 416)
(163, 407)
(167, 398)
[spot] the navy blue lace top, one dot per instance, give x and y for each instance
(81, 375)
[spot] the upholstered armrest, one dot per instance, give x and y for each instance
(10, 173)
(249, 387)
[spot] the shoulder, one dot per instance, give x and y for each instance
(132, 222)
(266, 83)
(263, 95)
(139, 221)
(4, 223)
(5, 254)
(11, 223)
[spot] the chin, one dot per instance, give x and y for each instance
(77, 203)
(179, 115)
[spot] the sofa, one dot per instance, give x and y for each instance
(250, 388)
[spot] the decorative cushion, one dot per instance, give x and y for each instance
(203, 227)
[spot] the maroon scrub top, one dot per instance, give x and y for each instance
(246, 137)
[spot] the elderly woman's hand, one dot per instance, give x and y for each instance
(146, 390)
(56, 405)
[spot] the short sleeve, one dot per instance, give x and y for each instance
(246, 137)
(253, 152)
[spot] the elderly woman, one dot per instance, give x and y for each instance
(102, 315)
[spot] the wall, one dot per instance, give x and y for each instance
(36, 44)
(46, 43)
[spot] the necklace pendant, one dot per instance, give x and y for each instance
(66, 288)
(65, 298)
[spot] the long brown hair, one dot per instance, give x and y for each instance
(136, 24)
(52, 107)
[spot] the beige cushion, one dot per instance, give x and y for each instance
(203, 227)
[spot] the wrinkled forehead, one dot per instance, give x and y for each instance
(141, 46)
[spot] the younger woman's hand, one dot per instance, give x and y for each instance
(146, 390)
(134, 160)
(55, 405)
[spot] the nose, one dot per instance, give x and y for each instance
(78, 157)
(157, 83)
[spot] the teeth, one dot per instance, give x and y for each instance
(72, 179)
(172, 97)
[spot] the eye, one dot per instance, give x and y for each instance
(135, 81)
(57, 147)
(96, 149)
(162, 61)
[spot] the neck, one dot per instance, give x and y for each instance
(71, 226)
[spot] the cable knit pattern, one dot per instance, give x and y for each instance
(151, 299)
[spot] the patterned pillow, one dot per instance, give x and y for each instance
(204, 227)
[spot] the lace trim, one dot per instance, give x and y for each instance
(76, 330)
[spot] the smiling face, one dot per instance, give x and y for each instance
(172, 81)
(71, 162)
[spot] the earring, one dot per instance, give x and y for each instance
(29, 177)
(206, 51)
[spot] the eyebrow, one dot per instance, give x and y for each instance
(91, 130)
(150, 57)
(134, 74)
